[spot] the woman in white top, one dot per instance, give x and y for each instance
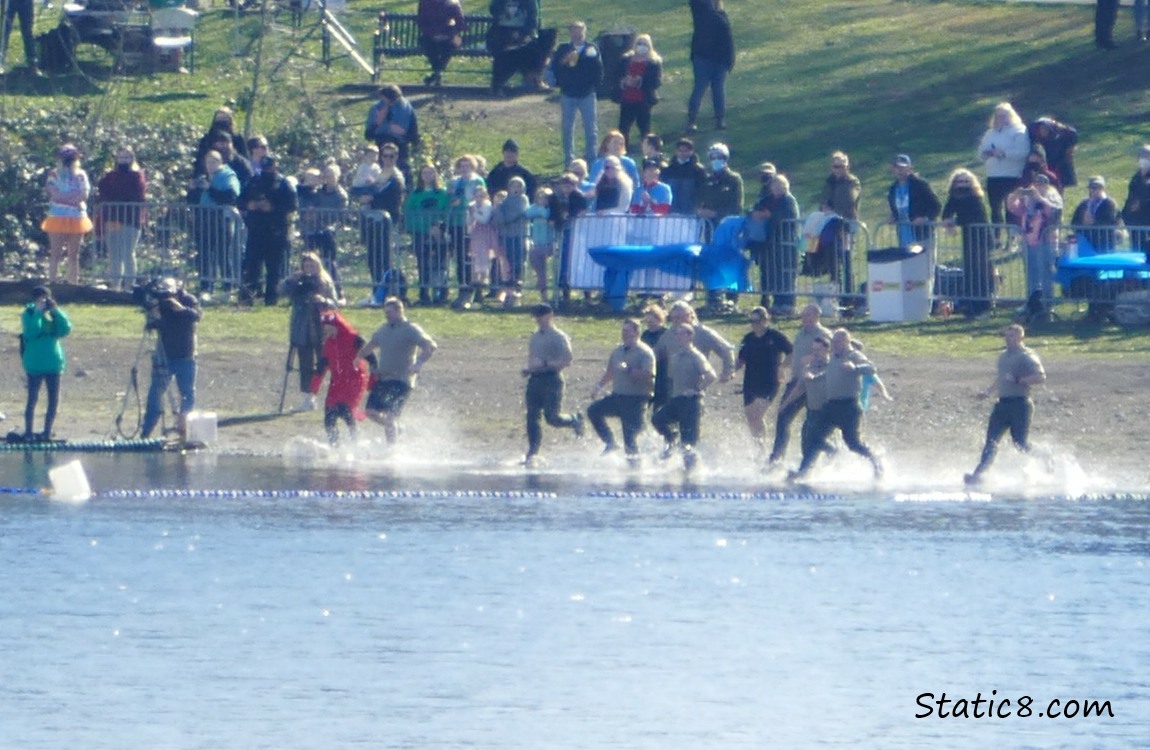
(67, 221)
(1004, 148)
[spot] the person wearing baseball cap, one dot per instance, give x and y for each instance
(1096, 218)
(548, 354)
(913, 203)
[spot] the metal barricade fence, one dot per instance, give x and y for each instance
(1094, 264)
(577, 270)
(821, 259)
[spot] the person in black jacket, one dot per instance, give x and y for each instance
(1136, 209)
(173, 314)
(966, 208)
(913, 204)
(638, 86)
(1096, 218)
(712, 58)
(267, 201)
(577, 69)
(685, 175)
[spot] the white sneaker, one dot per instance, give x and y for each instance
(308, 403)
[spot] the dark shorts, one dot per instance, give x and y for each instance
(750, 394)
(388, 396)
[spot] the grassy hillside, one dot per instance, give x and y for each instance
(873, 77)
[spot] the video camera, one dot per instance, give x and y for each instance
(149, 294)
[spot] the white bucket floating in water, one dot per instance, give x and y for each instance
(201, 427)
(70, 482)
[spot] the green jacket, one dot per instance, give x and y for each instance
(42, 353)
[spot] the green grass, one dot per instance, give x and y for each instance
(872, 77)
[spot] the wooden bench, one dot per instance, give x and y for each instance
(398, 36)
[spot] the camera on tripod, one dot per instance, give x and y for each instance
(148, 295)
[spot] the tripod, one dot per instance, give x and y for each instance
(132, 392)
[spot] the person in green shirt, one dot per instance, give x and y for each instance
(426, 211)
(43, 324)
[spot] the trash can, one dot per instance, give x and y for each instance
(899, 284)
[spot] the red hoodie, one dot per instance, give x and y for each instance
(348, 377)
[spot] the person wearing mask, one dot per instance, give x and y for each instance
(577, 69)
(913, 204)
(631, 375)
(268, 201)
(1136, 209)
(42, 325)
(121, 195)
(712, 58)
(720, 196)
(966, 209)
(684, 175)
(174, 315)
(1095, 219)
(639, 85)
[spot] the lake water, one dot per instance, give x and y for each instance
(574, 607)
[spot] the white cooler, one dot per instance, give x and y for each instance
(899, 284)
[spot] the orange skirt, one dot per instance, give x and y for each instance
(67, 225)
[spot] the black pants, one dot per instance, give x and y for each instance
(437, 51)
(997, 188)
(331, 417)
(1012, 414)
(375, 233)
(634, 114)
(544, 399)
(783, 422)
(308, 365)
(23, 9)
(845, 414)
(684, 411)
(1105, 15)
(266, 252)
(323, 241)
(629, 410)
(51, 383)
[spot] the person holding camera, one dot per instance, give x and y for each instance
(43, 324)
(311, 291)
(268, 201)
(173, 313)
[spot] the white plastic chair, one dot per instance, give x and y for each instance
(174, 30)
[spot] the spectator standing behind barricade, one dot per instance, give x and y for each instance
(1096, 219)
(765, 353)
(631, 374)
(174, 315)
(1018, 370)
(401, 348)
(239, 163)
(613, 189)
(1003, 149)
(511, 219)
(25, 11)
(121, 194)
(685, 175)
(380, 213)
(425, 218)
(462, 190)
(578, 167)
(570, 203)
(311, 292)
(1136, 209)
(638, 87)
(913, 204)
(440, 25)
(966, 208)
(1058, 141)
(67, 221)
(368, 174)
(842, 191)
(778, 265)
(42, 325)
(223, 121)
(214, 223)
(542, 235)
(614, 144)
(712, 58)
(268, 201)
(320, 216)
(651, 147)
(548, 355)
(691, 374)
(720, 196)
(651, 197)
(392, 120)
(810, 329)
(257, 150)
(510, 167)
(512, 32)
(484, 241)
(1036, 165)
(577, 69)
(341, 344)
(1037, 208)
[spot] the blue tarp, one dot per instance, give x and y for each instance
(719, 265)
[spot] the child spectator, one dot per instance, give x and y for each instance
(542, 232)
(368, 175)
(484, 240)
(512, 222)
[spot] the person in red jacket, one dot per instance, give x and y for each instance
(341, 343)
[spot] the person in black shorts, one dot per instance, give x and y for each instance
(764, 352)
(401, 349)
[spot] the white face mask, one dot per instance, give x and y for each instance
(718, 164)
(642, 49)
(1144, 164)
